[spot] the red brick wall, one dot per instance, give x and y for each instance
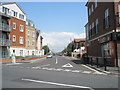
(118, 49)
(17, 32)
(94, 49)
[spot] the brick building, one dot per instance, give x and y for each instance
(33, 40)
(101, 30)
(30, 38)
(79, 47)
(18, 27)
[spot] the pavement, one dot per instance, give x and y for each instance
(56, 72)
(109, 71)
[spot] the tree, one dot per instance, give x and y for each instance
(46, 49)
(69, 49)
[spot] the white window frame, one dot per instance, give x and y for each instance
(28, 42)
(96, 24)
(90, 30)
(21, 52)
(14, 24)
(33, 43)
(33, 34)
(14, 38)
(106, 13)
(92, 8)
(96, 4)
(93, 25)
(89, 11)
(21, 42)
(119, 11)
(28, 34)
(21, 30)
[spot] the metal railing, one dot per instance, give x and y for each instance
(5, 27)
(5, 14)
(99, 61)
(4, 42)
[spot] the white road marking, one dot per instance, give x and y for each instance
(67, 70)
(58, 69)
(75, 71)
(38, 67)
(99, 73)
(50, 69)
(56, 62)
(45, 68)
(87, 72)
(67, 65)
(59, 84)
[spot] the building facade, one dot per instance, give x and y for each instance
(18, 27)
(5, 30)
(79, 47)
(33, 40)
(39, 42)
(30, 38)
(103, 29)
(22, 38)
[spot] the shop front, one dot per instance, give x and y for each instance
(108, 49)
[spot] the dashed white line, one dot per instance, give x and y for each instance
(87, 72)
(67, 70)
(58, 69)
(75, 71)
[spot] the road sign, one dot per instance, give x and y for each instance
(67, 65)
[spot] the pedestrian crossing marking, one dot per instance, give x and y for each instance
(66, 70)
(67, 65)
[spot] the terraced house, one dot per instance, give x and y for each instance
(5, 30)
(33, 40)
(30, 38)
(103, 30)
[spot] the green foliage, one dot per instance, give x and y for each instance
(46, 49)
(69, 49)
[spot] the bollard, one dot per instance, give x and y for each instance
(88, 61)
(97, 61)
(91, 62)
(105, 64)
(84, 59)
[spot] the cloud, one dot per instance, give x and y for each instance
(57, 41)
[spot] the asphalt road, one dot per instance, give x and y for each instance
(56, 72)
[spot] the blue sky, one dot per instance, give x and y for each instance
(57, 16)
(60, 22)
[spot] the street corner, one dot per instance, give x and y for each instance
(93, 69)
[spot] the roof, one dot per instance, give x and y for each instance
(6, 3)
(79, 40)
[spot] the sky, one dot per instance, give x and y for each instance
(59, 22)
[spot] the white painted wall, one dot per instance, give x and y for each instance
(17, 51)
(15, 8)
(0, 52)
(38, 42)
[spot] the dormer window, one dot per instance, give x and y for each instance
(14, 13)
(5, 10)
(21, 16)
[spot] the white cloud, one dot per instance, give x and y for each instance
(57, 41)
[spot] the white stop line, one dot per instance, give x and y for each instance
(59, 84)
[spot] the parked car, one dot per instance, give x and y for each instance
(49, 56)
(60, 54)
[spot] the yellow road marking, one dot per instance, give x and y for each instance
(92, 69)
